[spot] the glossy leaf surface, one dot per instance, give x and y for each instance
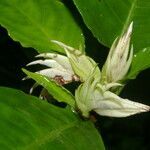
(29, 123)
(108, 19)
(141, 61)
(35, 22)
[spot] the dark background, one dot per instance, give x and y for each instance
(132, 133)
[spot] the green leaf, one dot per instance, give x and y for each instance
(35, 22)
(141, 61)
(108, 19)
(58, 92)
(29, 123)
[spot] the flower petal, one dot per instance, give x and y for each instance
(60, 59)
(114, 106)
(57, 74)
(119, 58)
(82, 65)
(47, 62)
(91, 95)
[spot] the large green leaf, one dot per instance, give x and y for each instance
(35, 22)
(107, 19)
(141, 61)
(58, 92)
(26, 122)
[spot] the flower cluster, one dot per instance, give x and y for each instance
(95, 93)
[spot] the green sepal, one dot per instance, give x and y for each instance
(57, 91)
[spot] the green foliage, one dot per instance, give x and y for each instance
(35, 23)
(109, 18)
(141, 61)
(29, 123)
(58, 92)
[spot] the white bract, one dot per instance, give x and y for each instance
(119, 58)
(59, 68)
(76, 66)
(94, 93)
(92, 96)
(81, 64)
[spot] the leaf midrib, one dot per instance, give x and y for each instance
(52, 135)
(32, 21)
(129, 16)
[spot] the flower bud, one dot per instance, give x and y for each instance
(119, 58)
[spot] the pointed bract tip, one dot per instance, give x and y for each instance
(54, 41)
(30, 64)
(59, 43)
(46, 55)
(25, 78)
(146, 108)
(39, 55)
(62, 45)
(131, 25)
(129, 30)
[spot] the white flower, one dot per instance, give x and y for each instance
(82, 65)
(59, 68)
(76, 66)
(119, 58)
(94, 93)
(92, 96)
